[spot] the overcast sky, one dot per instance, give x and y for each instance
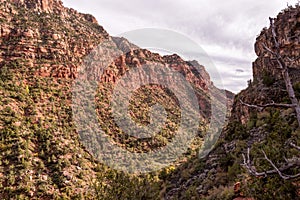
(226, 30)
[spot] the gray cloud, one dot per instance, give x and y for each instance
(225, 29)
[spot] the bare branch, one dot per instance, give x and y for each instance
(283, 66)
(295, 146)
(278, 57)
(273, 165)
(262, 107)
(285, 73)
(248, 156)
(274, 33)
(269, 50)
(293, 60)
(251, 106)
(252, 170)
(284, 176)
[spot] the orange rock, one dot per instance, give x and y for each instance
(56, 36)
(136, 62)
(28, 33)
(43, 50)
(5, 30)
(18, 124)
(237, 187)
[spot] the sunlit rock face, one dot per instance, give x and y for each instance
(40, 5)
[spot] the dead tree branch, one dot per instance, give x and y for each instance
(269, 50)
(284, 176)
(293, 60)
(284, 71)
(283, 66)
(294, 146)
(252, 170)
(262, 107)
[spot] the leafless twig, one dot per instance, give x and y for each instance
(262, 107)
(284, 176)
(252, 170)
(295, 146)
(284, 70)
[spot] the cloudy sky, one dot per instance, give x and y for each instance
(226, 30)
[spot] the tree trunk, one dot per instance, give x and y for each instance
(291, 92)
(285, 73)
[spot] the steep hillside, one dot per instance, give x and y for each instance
(42, 50)
(262, 122)
(43, 45)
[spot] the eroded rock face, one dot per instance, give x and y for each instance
(139, 57)
(53, 41)
(192, 71)
(48, 6)
(56, 46)
(44, 39)
(265, 68)
(267, 86)
(287, 28)
(44, 35)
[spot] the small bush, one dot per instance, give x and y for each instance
(268, 79)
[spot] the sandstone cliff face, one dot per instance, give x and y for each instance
(265, 68)
(139, 57)
(288, 35)
(48, 6)
(46, 36)
(42, 45)
(124, 45)
(54, 40)
(42, 48)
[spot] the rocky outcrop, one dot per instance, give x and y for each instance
(52, 45)
(137, 57)
(249, 128)
(48, 6)
(265, 68)
(55, 46)
(123, 44)
(288, 35)
(142, 57)
(42, 48)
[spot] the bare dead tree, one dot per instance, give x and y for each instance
(285, 72)
(247, 164)
(284, 67)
